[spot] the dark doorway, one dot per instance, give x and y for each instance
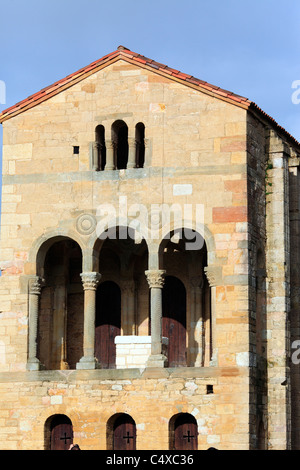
(184, 433)
(124, 433)
(174, 320)
(61, 433)
(108, 323)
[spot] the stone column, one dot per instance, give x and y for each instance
(35, 288)
(110, 155)
(214, 277)
(156, 279)
(278, 293)
(132, 153)
(90, 282)
(96, 153)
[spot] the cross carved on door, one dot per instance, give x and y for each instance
(65, 438)
(128, 437)
(189, 436)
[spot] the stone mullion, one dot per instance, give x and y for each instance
(90, 282)
(96, 153)
(132, 153)
(110, 155)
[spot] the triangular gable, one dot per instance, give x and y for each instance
(122, 53)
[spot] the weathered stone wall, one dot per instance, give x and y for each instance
(91, 398)
(201, 150)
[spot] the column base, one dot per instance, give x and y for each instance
(88, 363)
(157, 360)
(34, 364)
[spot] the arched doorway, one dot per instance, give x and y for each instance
(124, 433)
(108, 323)
(183, 431)
(58, 433)
(174, 320)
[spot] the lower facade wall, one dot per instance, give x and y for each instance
(150, 396)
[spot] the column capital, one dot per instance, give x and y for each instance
(110, 144)
(214, 275)
(156, 278)
(35, 285)
(90, 280)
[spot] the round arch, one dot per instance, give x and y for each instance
(111, 230)
(58, 432)
(183, 432)
(41, 246)
(197, 236)
(121, 432)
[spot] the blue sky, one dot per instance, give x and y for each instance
(249, 47)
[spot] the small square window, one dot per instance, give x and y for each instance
(209, 389)
(75, 150)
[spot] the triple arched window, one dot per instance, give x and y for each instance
(120, 152)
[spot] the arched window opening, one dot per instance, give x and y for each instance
(124, 261)
(100, 149)
(120, 141)
(108, 323)
(183, 432)
(121, 432)
(186, 296)
(60, 322)
(140, 144)
(58, 433)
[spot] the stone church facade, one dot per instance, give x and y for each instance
(149, 293)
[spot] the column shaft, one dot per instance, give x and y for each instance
(35, 286)
(90, 282)
(110, 150)
(155, 280)
(132, 153)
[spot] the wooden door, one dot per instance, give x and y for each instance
(185, 433)
(124, 433)
(108, 323)
(174, 320)
(61, 433)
